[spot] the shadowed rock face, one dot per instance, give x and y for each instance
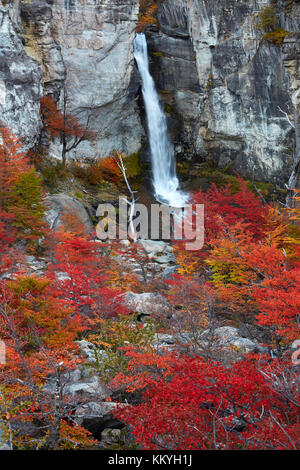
(20, 85)
(223, 84)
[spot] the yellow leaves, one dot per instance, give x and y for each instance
(189, 264)
(147, 16)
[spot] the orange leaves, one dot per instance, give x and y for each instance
(33, 303)
(63, 125)
(147, 15)
(252, 253)
(74, 436)
(20, 190)
(52, 116)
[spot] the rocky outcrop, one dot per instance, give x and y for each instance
(96, 417)
(224, 85)
(62, 210)
(20, 85)
(85, 49)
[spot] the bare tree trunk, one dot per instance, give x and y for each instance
(64, 137)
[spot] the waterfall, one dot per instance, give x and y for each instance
(164, 178)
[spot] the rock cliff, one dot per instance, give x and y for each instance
(224, 85)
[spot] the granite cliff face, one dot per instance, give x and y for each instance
(224, 86)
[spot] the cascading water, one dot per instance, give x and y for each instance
(165, 181)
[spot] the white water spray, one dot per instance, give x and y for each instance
(165, 181)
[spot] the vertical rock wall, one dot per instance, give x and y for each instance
(224, 86)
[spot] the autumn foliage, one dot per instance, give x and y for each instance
(147, 15)
(197, 404)
(248, 270)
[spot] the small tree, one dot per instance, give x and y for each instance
(267, 19)
(147, 15)
(295, 124)
(63, 125)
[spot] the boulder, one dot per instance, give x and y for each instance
(229, 336)
(95, 417)
(111, 436)
(158, 251)
(165, 259)
(169, 271)
(152, 246)
(90, 351)
(62, 204)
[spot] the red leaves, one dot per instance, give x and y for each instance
(82, 276)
